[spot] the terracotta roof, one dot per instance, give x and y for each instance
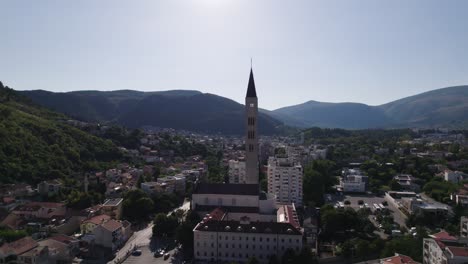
(55, 246)
(12, 221)
(8, 200)
(399, 259)
(112, 225)
(443, 235)
(98, 219)
(64, 239)
(458, 251)
(216, 214)
(19, 246)
(34, 206)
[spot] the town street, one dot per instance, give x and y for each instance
(142, 238)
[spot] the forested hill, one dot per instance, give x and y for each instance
(36, 144)
(179, 109)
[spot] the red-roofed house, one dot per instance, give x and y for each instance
(42, 210)
(88, 225)
(10, 251)
(444, 248)
(398, 259)
(443, 235)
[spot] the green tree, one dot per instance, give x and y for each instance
(141, 179)
(165, 226)
(137, 205)
(406, 245)
(318, 178)
(184, 235)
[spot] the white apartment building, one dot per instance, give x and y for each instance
(454, 176)
(236, 171)
(443, 248)
(169, 184)
(464, 226)
(353, 181)
(218, 239)
(285, 180)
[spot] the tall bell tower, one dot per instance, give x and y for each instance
(251, 137)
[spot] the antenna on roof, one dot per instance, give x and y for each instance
(250, 62)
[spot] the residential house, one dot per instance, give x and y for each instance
(88, 225)
(113, 208)
(49, 188)
(398, 259)
(454, 176)
(407, 182)
(9, 252)
(461, 196)
(353, 181)
(463, 226)
(44, 210)
(444, 248)
(112, 234)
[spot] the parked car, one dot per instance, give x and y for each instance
(158, 254)
(166, 256)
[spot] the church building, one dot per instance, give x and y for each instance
(239, 220)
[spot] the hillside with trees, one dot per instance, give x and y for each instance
(37, 144)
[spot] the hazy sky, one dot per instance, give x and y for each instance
(359, 51)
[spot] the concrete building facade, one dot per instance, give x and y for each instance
(285, 180)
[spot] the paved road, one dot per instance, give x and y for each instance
(142, 238)
(147, 258)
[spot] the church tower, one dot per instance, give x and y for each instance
(251, 137)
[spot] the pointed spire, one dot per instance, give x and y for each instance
(251, 87)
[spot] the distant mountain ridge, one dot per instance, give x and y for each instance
(445, 107)
(193, 110)
(179, 109)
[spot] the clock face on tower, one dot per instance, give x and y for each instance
(252, 105)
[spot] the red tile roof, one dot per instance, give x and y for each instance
(19, 246)
(216, 214)
(443, 235)
(399, 259)
(34, 206)
(112, 225)
(64, 239)
(458, 251)
(98, 219)
(8, 200)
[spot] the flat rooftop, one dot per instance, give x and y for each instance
(113, 202)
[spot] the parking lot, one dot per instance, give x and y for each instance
(147, 257)
(368, 199)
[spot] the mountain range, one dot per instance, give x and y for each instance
(446, 107)
(196, 111)
(179, 109)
